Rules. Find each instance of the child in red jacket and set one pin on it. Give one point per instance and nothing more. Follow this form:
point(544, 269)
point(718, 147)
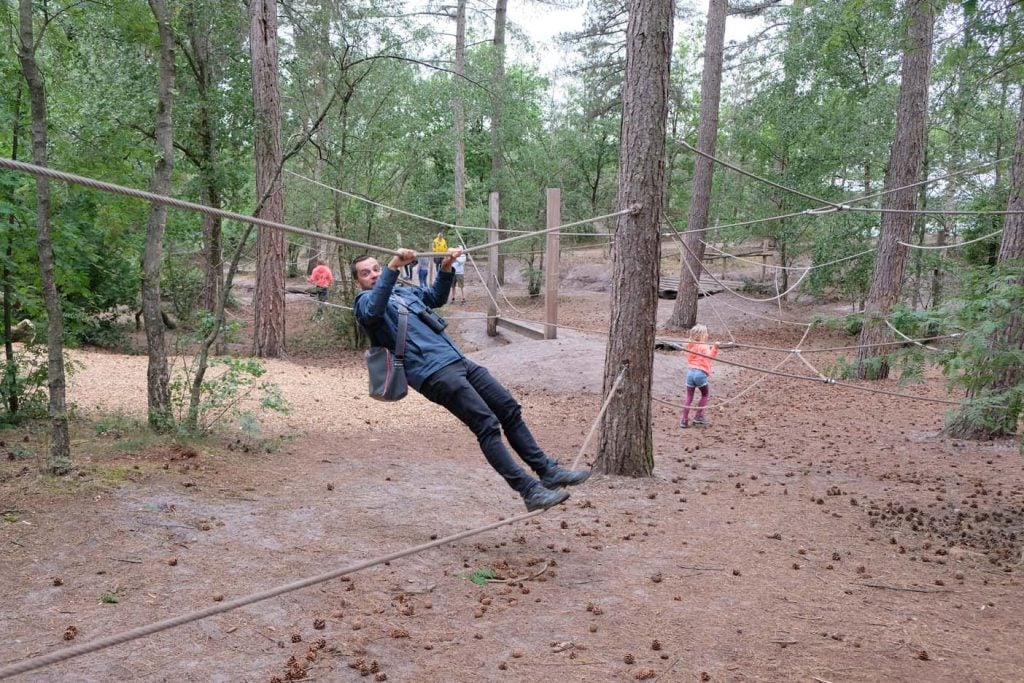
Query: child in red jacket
point(698, 359)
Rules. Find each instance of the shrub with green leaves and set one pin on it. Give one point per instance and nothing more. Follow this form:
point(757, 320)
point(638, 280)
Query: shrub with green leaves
point(26, 378)
point(232, 388)
point(988, 363)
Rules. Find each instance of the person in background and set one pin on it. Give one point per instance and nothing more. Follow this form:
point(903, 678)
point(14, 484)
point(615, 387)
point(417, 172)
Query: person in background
point(407, 270)
point(459, 270)
point(435, 367)
point(422, 270)
point(322, 278)
point(438, 246)
point(698, 360)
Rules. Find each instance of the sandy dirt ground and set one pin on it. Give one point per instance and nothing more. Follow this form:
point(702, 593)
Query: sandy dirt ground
point(810, 533)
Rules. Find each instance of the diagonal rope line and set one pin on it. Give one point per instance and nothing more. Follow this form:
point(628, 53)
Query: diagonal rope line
point(753, 384)
point(905, 337)
point(929, 181)
point(383, 206)
point(812, 266)
point(453, 225)
point(600, 415)
point(594, 219)
point(741, 171)
point(149, 629)
point(696, 279)
point(777, 297)
point(178, 203)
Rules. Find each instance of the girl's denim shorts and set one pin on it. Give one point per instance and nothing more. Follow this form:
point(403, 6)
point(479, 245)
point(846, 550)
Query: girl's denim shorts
point(696, 378)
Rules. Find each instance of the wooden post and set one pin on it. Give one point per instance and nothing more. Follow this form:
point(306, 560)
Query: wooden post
point(554, 199)
point(492, 264)
point(764, 259)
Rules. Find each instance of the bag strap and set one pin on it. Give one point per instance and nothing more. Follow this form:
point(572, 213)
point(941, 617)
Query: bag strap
point(403, 326)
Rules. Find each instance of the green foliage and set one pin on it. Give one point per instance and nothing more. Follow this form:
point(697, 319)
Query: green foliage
point(25, 378)
point(118, 425)
point(181, 282)
point(109, 599)
point(988, 363)
point(231, 388)
point(480, 577)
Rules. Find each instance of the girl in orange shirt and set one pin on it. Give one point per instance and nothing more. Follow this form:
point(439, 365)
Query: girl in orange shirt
point(699, 367)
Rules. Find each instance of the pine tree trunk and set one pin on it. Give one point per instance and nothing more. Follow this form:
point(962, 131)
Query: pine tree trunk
point(459, 113)
point(59, 458)
point(268, 300)
point(684, 313)
point(158, 375)
point(1002, 421)
point(198, 27)
point(497, 111)
point(626, 444)
point(11, 368)
point(906, 158)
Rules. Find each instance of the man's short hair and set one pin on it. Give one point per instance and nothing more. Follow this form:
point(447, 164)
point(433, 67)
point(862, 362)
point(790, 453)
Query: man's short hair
point(354, 267)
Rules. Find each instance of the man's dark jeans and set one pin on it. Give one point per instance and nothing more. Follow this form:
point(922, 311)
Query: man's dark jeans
point(471, 394)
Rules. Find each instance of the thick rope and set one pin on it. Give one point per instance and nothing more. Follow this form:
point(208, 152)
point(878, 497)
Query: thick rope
point(178, 203)
point(758, 178)
point(600, 415)
point(487, 245)
point(929, 181)
point(149, 629)
point(906, 338)
point(943, 247)
point(937, 212)
point(427, 219)
point(721, 284)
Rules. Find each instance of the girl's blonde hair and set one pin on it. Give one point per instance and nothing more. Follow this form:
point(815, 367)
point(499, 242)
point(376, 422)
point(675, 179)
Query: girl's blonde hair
point(699, 333)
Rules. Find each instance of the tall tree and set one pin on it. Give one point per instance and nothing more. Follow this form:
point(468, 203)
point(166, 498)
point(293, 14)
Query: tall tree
point(198, 51)
point(459, 112)
point(626, 444)
point(158, 390)
point(497, 114)
point(59, 458)
point(271, 254)
point(684, 314)
point(1001, 372)
point(10, 379)
point(906, 159)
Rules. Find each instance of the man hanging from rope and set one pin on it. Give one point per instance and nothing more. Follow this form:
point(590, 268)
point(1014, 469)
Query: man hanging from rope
point(436, 368)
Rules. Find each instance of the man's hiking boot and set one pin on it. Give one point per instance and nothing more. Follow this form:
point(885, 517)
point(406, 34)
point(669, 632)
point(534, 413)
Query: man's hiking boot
point(557, 476)
point(540, 498)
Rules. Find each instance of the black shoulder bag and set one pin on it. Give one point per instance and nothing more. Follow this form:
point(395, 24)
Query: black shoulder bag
point(387, 369)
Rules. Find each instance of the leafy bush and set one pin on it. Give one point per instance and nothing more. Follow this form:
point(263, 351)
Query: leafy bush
point(225, 393)
point(989, 362)
point(25, 378)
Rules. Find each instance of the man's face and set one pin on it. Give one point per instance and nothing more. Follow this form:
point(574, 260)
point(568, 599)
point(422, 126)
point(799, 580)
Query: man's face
point(367, 272)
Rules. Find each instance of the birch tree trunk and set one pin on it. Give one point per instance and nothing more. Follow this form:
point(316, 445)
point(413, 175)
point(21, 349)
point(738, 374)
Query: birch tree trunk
point(684, 313)
point(158, 391)
point(59, 457)
point(906, 158)
point(268, 300)
point(626, 443)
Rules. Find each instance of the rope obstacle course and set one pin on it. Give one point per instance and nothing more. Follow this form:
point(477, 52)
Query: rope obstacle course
point(170, 623)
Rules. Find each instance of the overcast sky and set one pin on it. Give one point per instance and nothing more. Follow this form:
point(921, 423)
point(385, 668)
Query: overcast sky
point(543, 23)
